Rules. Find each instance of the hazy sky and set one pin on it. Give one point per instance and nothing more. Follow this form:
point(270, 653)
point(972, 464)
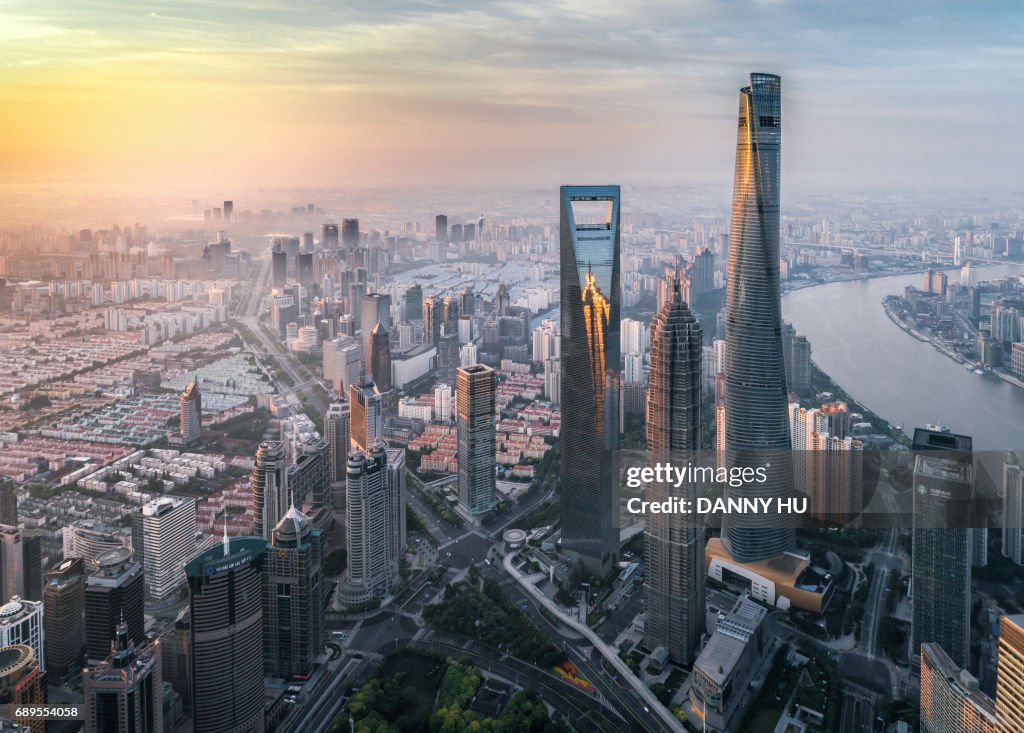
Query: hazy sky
point(268, 92)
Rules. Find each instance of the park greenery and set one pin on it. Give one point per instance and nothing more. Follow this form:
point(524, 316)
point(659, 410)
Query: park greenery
point(250, 426)
point(477, 609)
point(418, 691)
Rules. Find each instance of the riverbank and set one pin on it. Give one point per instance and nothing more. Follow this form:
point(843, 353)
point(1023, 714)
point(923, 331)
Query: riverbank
point(937, 344)
point(903, 380)
point(822, 382)
point(792, 286)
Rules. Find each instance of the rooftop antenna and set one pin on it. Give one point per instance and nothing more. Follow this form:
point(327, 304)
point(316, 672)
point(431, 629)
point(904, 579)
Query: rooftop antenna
point(227, 544)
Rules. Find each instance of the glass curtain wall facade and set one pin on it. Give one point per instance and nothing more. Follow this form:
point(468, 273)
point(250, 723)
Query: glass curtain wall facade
point(590, 302)
point(756, 395)
point(475, 390)
point(226, 598)
point(674, 543)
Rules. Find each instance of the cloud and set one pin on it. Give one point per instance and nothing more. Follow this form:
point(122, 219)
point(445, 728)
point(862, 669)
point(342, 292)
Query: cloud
point(613, 79)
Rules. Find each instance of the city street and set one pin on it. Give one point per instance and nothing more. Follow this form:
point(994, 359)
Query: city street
point(248, 314)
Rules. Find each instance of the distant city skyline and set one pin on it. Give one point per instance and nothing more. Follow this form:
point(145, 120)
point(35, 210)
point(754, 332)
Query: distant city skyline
point(113, 97)
point(507, 233)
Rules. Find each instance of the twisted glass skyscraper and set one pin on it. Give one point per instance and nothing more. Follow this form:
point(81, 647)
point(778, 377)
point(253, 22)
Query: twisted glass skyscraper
point(756, 409)
point(590, 296)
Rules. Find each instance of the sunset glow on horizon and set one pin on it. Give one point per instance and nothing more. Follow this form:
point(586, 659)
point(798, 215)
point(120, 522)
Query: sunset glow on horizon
point(190, 93)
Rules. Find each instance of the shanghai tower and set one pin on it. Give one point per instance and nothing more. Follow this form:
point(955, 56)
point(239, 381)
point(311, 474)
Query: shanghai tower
point(674, 543)
point(756, 397)
point(590, 297)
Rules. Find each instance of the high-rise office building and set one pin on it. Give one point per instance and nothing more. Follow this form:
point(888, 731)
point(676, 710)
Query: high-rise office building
point(374, 308)
point(366, 407)
point(467, 302)
point(838, 417)
point(979, 544)
point(356, 289)
point(469, 355)
point(270, 498)
point(343, 360)
point(191, 418)
point(553, 380)
point(756, 396)
point(380, 358)
point(720, 420)
point(284, 309)
point(413, 303)
point(546, 342)
point(86, 538)
point(634, 338)
point(309, 473)
point(443, 403)
point(801, 361)
point(590, 301)
point(125, 692)
point(176, 657)
point(727, 664)
point(32, 562)
point(465, 329)
point(114, 593)
point(844, 495)
point(22, 682)
point(433, 317)
point(441, 228)
point(447, 354)
point(371, 567)
point(21, 622)
point(450, 313)
point(634, 372)
point(278, 267)
point(935, 281)
point(329, 236)
point(808, 430)
point(828, 469)
point(336, 432)
point(796, 355)
point(397, 500)
point(350, 233)
point(64, 617)
point(503, 298)
point(674, 543)
point(8, 501)
point(229, 210)
point(169, 538)
point(294, 595)
point(941, 556)
point(304, 269)
point(1010, 673)
point(1013, 508)
point(950, 699)
point(226, 597)
point(474, 414)
point(12, 563)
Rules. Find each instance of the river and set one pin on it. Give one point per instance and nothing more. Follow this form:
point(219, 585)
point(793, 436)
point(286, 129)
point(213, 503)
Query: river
point(903, 380)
